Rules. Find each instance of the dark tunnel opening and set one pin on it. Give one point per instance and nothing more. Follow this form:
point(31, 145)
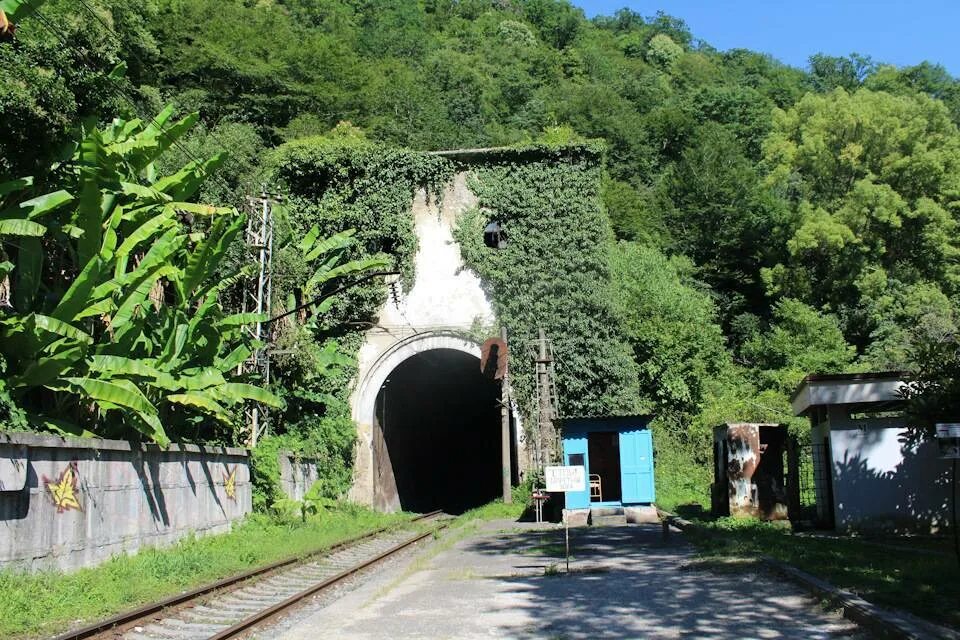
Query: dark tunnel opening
point(439, 422)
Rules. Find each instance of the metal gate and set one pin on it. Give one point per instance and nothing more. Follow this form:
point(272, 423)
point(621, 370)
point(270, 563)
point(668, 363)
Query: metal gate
point(815, 482)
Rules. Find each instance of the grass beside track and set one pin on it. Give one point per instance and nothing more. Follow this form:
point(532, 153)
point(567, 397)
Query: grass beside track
point(52, 602)
point(925, 584)
point(495, 510)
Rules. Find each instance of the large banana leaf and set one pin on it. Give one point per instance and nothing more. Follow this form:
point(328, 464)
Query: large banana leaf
point(333, 243)
point(202, 263)
point(347, 268)
point(21, 228)
point(111, 366)
point(234, 359)
point(13, 186)
point(77, 298)
point(116, 393)
point(42, 205)
point(201, 401)
point(146, 231)
point(233, 392)
point(58, 327)
point(17, 10)
point(185, 183)
point(240, 319)
point(89, 215)
point(202, 379)
point(307, 243)
point(199, 209)
point(46, 370)
point(135, 298)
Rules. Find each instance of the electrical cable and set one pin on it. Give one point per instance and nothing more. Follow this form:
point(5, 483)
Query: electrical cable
point(50, 27)
point(139, 60)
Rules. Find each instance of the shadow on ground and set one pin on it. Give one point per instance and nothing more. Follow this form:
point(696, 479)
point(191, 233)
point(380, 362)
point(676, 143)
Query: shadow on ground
point(627, 582)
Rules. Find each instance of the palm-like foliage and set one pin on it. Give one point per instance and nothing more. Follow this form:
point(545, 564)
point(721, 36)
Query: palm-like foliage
point(112, 318)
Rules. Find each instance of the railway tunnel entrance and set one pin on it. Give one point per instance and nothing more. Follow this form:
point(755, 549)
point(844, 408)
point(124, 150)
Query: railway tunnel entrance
point(437, 434)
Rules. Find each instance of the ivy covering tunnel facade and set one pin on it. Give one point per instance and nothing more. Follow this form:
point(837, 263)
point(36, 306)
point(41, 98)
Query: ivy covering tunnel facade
point(553, 273)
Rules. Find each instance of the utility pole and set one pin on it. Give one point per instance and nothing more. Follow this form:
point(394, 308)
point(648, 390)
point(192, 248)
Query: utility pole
point(257, 299)
point(547, 445)
point(505, 427)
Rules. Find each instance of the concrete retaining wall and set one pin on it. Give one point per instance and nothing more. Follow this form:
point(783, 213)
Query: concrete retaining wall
point(297, 475)
point(67, 503)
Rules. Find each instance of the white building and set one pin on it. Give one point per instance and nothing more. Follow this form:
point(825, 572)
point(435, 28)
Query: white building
point(869, 473)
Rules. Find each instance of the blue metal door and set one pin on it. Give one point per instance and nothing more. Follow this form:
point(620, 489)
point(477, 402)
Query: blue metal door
point(636, 466)
point(575, 454)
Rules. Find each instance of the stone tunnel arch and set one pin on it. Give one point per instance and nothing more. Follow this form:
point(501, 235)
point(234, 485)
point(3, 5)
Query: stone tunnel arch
point(430, 427)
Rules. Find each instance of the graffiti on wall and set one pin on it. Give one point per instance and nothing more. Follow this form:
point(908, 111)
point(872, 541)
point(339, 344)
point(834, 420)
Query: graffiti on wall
point(230, 482)
point(65, 491)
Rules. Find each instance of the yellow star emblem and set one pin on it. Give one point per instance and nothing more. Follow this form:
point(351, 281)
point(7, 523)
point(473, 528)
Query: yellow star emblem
point(64, 491)
point(230, 482)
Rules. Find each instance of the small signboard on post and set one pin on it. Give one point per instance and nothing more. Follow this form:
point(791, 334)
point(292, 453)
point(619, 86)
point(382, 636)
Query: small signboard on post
point(948, 437)
point(572, 478)
point(566, 478)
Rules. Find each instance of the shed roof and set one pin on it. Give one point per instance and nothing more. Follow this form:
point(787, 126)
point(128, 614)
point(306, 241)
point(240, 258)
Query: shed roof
point(847, 388)
point(630, 416)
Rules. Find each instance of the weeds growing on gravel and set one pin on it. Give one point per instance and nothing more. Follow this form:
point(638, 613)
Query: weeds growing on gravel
point(51, 602)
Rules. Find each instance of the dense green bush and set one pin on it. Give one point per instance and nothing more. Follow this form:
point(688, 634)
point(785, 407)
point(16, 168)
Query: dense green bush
point(554, 272)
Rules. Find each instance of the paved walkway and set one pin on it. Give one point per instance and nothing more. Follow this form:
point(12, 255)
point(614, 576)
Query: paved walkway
point(507, 581)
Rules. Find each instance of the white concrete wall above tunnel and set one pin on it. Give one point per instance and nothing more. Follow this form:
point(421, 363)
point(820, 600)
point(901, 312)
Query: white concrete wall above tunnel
point(445, 302)
point(365, 400)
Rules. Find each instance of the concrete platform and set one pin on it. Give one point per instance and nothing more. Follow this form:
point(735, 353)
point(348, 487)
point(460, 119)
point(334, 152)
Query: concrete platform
point(507, 580)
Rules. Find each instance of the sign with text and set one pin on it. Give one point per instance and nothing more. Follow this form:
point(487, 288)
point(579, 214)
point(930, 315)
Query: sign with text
point(948, 437)
point(566, 478)
point(948, 430)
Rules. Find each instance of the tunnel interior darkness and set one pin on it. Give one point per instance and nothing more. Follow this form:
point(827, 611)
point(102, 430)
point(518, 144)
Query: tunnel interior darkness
point(439, 419)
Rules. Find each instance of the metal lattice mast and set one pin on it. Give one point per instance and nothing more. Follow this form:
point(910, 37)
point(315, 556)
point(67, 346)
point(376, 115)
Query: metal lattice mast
point(547, 443)
point(257, 299)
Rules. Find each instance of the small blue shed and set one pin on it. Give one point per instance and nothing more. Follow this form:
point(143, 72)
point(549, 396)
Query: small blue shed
point(618, 455)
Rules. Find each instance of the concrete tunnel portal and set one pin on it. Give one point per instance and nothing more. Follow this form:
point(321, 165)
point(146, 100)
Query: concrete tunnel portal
point(437, 434)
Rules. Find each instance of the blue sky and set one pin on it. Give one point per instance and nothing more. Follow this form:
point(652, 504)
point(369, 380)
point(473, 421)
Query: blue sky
point(902, 33)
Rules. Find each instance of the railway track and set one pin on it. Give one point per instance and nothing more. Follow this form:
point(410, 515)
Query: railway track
point(231, 607)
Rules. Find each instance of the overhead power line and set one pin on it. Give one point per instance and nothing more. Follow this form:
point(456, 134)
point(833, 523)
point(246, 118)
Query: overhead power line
point(133, 54)
point(57, 33)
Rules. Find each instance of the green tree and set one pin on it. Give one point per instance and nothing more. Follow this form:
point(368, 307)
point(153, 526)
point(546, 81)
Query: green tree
point(799, 341)
point(872, 181)
point(47, 87)
point(671, 326)
point(722, 217)
point(113, 322)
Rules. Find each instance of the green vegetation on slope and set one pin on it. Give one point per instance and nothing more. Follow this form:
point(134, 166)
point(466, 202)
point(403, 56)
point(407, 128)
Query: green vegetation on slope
point(803, 220)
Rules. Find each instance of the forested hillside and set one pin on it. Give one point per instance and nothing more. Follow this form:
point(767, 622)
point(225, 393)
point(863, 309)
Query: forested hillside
point(770, 221)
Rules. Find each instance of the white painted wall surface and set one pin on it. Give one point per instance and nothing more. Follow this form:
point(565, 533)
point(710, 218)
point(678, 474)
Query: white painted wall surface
point(446, 298)
point(882, 482)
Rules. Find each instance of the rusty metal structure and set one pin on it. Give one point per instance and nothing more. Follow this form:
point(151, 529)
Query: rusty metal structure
point(750, 471)
point(547, 445)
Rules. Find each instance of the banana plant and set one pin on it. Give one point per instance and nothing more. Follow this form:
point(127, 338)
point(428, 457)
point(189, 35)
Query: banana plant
point(13, 11)
point(325, 260)
point(112, 319)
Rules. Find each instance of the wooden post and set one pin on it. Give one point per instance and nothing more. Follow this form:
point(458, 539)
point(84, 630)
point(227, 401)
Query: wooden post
point(505, 427)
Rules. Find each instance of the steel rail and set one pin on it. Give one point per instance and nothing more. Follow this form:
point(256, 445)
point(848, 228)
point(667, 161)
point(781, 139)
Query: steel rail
point(244, 625)
point(127, 617)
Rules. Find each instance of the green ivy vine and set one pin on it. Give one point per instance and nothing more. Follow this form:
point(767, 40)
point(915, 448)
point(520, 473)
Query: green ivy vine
point(554, 272)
